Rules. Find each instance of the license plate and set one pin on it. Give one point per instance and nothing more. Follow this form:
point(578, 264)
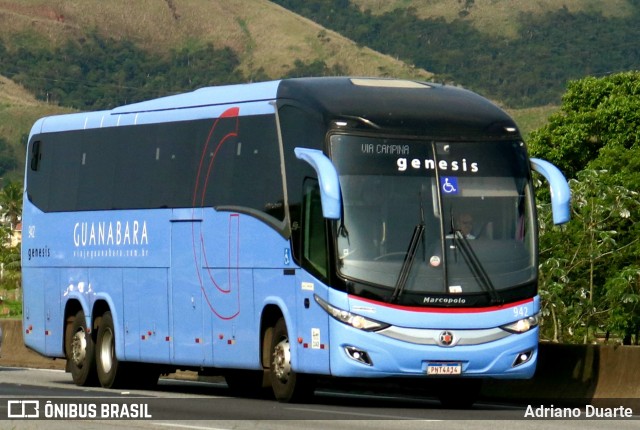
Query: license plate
point(444, 369)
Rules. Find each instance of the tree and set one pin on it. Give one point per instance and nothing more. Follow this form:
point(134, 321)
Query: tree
point(11, 203)
point(590, 268)
point(623, 298)
point(314, 68)
point(598, 116)
point(11, 211)
point(96, 72)
point(581, 266)
point(8, 159)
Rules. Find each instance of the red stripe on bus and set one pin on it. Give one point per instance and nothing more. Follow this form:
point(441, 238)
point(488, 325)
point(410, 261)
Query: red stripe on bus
point(465, 310)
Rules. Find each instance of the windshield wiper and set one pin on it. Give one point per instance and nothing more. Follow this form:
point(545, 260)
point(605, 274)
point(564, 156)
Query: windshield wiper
point(409, 258)
point(471, 258)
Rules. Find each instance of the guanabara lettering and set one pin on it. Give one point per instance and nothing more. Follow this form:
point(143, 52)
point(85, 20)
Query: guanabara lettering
point(110, 233)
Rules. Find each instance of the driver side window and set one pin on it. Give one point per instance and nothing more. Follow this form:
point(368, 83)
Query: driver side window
point(314, 239)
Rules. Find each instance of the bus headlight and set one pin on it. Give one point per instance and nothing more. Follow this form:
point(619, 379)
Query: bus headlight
point(346, 317)
point(523, 325)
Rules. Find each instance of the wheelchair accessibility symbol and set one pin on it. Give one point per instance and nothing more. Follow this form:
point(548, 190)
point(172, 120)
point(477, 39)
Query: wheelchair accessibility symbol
point(449, 185)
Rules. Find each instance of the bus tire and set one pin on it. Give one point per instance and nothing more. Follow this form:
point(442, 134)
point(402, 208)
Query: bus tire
point(80, 352)
point(111, 372)
point(287, 384)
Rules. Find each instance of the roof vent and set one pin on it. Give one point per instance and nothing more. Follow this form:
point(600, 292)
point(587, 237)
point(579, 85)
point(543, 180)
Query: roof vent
point(388, 83)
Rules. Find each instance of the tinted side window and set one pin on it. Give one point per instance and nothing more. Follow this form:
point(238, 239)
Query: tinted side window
point(98, 165)
point(156, 165)
point(231, 163)
point(243, 167)
point(314, 233)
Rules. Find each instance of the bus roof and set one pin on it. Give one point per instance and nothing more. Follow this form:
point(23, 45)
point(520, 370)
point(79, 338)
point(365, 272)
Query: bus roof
point(424, 108)
point(207, 96)
point(421, 107)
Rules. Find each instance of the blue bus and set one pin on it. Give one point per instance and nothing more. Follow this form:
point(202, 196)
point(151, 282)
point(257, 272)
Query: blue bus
point(278, 232)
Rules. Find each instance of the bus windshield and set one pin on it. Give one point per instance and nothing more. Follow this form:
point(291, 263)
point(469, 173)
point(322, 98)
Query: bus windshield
point(433, 219)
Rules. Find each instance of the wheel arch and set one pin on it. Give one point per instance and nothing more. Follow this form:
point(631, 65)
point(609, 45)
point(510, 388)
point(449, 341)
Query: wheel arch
point(272, 311)
point(71, 308)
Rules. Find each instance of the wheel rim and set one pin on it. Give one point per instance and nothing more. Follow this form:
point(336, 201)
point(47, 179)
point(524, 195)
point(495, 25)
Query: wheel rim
point(106, 351)
point(79, 348)
point(282, 361)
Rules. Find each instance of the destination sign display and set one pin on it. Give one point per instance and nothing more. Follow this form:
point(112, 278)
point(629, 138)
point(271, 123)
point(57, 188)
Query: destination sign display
point(360, 155)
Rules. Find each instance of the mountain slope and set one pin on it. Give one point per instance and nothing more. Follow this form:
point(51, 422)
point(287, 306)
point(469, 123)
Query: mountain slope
point(263, 34)
point(497, 17)
point(38, 39)
point(529, 65)
point(18, 111)
point(267, 39)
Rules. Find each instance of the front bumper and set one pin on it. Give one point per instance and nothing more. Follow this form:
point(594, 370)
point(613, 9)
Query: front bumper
point(502, 357)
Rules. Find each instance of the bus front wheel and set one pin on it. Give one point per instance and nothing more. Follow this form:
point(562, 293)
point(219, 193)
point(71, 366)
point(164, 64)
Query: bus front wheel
point(287, 384)
point(80, 351)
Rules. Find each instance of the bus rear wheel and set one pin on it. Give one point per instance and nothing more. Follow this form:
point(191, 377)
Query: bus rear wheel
point(287, 384)
point(80, 351)
point(111, 372)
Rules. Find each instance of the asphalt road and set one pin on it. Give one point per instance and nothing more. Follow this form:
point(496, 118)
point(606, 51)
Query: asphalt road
point(179, 404)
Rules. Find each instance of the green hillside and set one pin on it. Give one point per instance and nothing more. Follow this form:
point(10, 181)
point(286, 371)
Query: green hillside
point(530, 119)
point(266, 38)
point(18, 111)
point(95, 54)
point(91, 54)
point(522, 53)
point(499, 18)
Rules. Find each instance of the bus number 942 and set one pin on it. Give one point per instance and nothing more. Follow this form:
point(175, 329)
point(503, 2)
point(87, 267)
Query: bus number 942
point(521, 311)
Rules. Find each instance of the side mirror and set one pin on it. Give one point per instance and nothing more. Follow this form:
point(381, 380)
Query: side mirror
point(560, 192)
point(327, 178)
